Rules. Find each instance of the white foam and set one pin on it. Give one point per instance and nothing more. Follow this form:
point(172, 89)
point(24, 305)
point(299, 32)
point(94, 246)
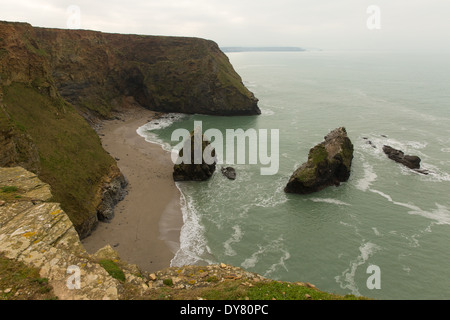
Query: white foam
point(331, 201)
point(285, 255)
point(375, 230)
point(267, 112)
point(388, 197)
point(273, 248)
point(146, 131)
point(434, 173)
point(369, 177)
point(440, 215)
point(347, 279)
point(193, 244)
point(235, 238)
point(272, 199)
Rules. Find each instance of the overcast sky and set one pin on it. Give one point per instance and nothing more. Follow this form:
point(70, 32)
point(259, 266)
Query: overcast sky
point(399, 25)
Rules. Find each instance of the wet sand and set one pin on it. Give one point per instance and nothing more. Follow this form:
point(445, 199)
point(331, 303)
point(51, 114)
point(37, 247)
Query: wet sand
point(146, 227)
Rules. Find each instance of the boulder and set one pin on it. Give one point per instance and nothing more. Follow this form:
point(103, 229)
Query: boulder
point(229, 172)
point(194, 169)
point(412, 162)
point(329, 163)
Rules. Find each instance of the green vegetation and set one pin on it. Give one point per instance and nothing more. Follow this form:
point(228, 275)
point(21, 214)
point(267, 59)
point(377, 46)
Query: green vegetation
point(113, 269)
point(19, 282)
point(8, 189)
point(72, 160)
point(10, 193)
point(246, 290)
point(168, 282)
point(287, 291)
point(318, 154)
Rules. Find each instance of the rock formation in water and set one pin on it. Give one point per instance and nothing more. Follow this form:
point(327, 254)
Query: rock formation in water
point(329, 163)
point(194, 166)
point(52, 80)
point(412, 162)
point(229, 172)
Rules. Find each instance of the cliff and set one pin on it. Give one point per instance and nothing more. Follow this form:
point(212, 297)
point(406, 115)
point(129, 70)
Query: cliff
point(95, 71)
point(37, 235)
point(51, 81)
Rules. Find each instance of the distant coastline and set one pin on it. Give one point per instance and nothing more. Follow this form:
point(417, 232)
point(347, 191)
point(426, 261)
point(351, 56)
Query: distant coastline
point(262, 49)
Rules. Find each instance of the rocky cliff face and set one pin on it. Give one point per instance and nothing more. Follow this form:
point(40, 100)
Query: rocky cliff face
point(94, 71)
point(39, 234)
point(50, 79)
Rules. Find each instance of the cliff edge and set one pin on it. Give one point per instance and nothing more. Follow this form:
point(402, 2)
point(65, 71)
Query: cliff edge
point(36, 233)
point(52, 80)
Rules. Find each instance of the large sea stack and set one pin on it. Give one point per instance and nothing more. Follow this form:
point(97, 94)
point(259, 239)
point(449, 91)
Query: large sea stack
point(328, 164)
point(194, 166)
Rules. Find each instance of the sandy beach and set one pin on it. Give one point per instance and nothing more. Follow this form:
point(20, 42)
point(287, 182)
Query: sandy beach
point(146, 227)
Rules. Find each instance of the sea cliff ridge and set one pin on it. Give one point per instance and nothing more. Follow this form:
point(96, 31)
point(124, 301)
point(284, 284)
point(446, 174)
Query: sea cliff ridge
point(52, 80)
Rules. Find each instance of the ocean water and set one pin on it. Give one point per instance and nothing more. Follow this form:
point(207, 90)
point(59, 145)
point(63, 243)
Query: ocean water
point(386, 215)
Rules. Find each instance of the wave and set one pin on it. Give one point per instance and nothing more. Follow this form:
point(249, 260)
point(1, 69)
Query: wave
point(274, 249)
point(267, 112)
point(235, 238)
point(369, 177)
point(193, 244)
point(440, 215)
point(347, 279)
point(331, 201)
point(272, 199)
point(146, 131)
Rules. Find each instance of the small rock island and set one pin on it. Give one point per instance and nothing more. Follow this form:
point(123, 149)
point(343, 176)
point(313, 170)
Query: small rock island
point(329, 163)
point(192, 169)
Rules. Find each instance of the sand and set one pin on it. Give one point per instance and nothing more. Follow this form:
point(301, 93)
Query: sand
point(146, 227)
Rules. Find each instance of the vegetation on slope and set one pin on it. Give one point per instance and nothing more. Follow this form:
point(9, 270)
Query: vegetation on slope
point(19, 282)
point(72, 159)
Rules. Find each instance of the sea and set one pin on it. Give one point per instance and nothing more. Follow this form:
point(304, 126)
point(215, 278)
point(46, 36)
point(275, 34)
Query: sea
point(385, 233)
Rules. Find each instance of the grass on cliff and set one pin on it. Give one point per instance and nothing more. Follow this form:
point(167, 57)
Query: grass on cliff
point(113, 269)
point(241, 290)
point(73, 161)
point(19, 282)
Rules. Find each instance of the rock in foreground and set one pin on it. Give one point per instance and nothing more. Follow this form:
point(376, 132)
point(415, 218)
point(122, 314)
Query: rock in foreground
point(329, 163)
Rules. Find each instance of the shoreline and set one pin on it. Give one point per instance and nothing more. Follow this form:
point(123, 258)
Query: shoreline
point(147, 223)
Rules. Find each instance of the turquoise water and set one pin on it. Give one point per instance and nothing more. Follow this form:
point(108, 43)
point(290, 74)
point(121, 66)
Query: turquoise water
point(385, 215)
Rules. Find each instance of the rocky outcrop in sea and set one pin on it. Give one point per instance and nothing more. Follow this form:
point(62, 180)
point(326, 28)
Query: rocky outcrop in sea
point(329, 163)
point(412, 162)
point(193, 165)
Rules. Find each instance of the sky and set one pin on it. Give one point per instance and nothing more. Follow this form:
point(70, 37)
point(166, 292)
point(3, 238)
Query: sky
point(363, 25)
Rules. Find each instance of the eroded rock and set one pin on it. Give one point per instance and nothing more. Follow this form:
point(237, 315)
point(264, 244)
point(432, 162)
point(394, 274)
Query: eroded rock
point(193, 166)
point(329, 163)
point(42, 236)
point(412, 162)
point(229, 172)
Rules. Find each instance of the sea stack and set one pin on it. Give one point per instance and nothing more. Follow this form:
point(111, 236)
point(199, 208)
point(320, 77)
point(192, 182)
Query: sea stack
point(329, 163)
point(194, 166)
